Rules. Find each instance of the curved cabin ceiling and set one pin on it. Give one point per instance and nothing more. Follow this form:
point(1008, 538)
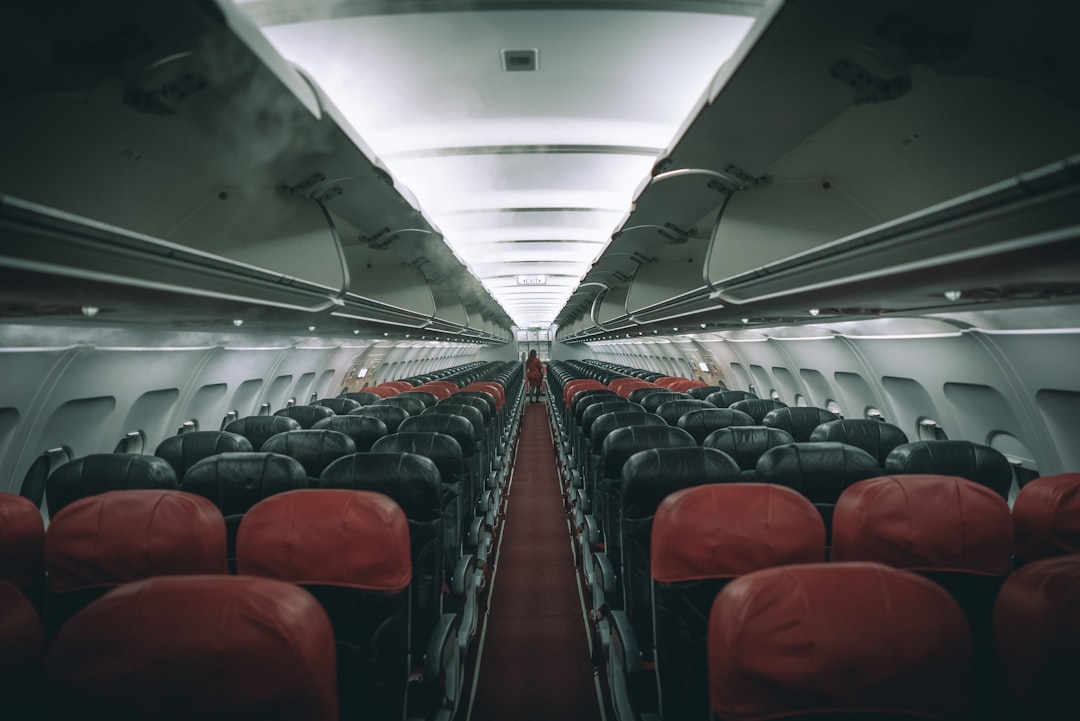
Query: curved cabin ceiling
point(526, 172)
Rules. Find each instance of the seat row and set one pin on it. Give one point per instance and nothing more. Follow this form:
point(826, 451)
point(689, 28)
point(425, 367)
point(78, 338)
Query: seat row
point(637, 480)
point(143, 620)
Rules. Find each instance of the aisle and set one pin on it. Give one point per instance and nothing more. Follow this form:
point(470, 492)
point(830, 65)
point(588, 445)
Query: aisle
point(534, 662)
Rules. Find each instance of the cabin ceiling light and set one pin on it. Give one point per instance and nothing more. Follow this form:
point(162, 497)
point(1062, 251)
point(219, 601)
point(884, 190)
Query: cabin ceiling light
point(311, 328)
point(356, 332)
point(90, 311)
point(745, 320)
point(953, 295)
point(238, 322)
point(814, 312)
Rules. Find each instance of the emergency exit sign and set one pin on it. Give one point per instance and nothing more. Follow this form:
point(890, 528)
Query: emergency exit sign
point(532, 280)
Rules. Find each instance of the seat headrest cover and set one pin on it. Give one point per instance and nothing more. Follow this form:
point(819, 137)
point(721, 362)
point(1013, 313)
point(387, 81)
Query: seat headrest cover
point(1046, 517)
point(757, 408)
point(362, 397)
point(624, 442)
point(364, 430)
point(820, 471)
point(444, 450)
point(703, 392)
point(184, 450)
point(234, 482)
point(100, 472)
point(411, 480)
point(835, 638)
point(428, 399)
point(306, 416)
point(723, 399)
point(673, 411)
point(414, 406)
point(383, 391)
point(327, 536)
point(1036, 634)
point(608, 422)
point(727, 530)
point(799, 421)
point(258, 428)
point(469, 412)
point(924, 523)
point(22, 540)
point(874, 437)
point(121, 536)
point(21, 636)
point(746, 444)
point(580, 384)
point(972, 461)
point(314, 448)
point(458, 427)
point(389, 415)
point(215, 648)
point(441, 392)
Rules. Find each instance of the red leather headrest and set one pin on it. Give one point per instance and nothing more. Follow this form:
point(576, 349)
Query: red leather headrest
point(383, 390)
point(336, 537)
point(439, 390)
point(400, 385)
point(220, 648)
point(924, 522)
point(837, 637)
point(666, 381)
point(1036, 634)
point(122, 536)
point(684, 384)
point(580, 384)
point(725, 530)
point(494, 389)
point(22, 541)
point(623, 386)
point(1046, 517)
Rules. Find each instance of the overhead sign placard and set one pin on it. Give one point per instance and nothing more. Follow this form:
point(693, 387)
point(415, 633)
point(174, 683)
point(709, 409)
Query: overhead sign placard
point(532, 280)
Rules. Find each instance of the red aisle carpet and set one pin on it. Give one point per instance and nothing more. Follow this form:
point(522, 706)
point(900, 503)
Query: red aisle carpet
point(535, 660)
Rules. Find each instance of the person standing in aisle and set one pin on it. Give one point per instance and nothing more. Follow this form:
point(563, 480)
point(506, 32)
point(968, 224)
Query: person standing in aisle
point(534, 374)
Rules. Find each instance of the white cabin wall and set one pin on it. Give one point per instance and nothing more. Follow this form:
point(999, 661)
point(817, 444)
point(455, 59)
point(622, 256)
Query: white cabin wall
point(87, 387)
point(1015, 390)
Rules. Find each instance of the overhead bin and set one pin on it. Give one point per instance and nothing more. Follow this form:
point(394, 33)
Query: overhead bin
point(864, 159)
point(172, 146)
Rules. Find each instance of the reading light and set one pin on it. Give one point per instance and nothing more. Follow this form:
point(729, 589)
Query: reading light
point(90, 311)
point(704, 325)
point(814, 312)
point(356, 332)
point(745, 320)
point(953, 295)
point(238, 322)
point(311, 328)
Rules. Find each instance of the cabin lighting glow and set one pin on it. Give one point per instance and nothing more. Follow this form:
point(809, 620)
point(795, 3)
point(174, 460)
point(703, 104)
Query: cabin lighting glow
point(954, 295)
point(238, 322)
point(90, 311)
point(745, 320)
point(311, 328)
point(356, 332)
point(814, 312)
point(703, 366)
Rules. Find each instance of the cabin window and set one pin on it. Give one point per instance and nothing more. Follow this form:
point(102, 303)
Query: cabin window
point(264, 409)
point(833, 407)
point(229, 418)
point(874, 414)
point(132, 442)
point(33, 484)
point(929, 430)
point(800, 400)
point(188, 426)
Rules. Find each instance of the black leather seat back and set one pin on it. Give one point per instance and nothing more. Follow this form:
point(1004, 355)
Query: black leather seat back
point(700, 423)
point(257, 429)
point(648, 477)
point(338, 405)
point(413, 483)
point(362, 397)
point(875, 437)
point(799, 421)
point(757, 408)
point(746, 445)
point(653, 401)
point(364, 430)
point(703, 392)
point(461, 430)
point(314, 448)
point(820, 471)
point(101, 472)
point(674, 410)
point(445, 452)
point(414, 406)
point(306, 416)
point(724, 399)
point(975, 462)
point(389, 415)
point(186, 449)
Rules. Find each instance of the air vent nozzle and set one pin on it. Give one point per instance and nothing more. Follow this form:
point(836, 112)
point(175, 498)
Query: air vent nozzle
point(520, 60)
